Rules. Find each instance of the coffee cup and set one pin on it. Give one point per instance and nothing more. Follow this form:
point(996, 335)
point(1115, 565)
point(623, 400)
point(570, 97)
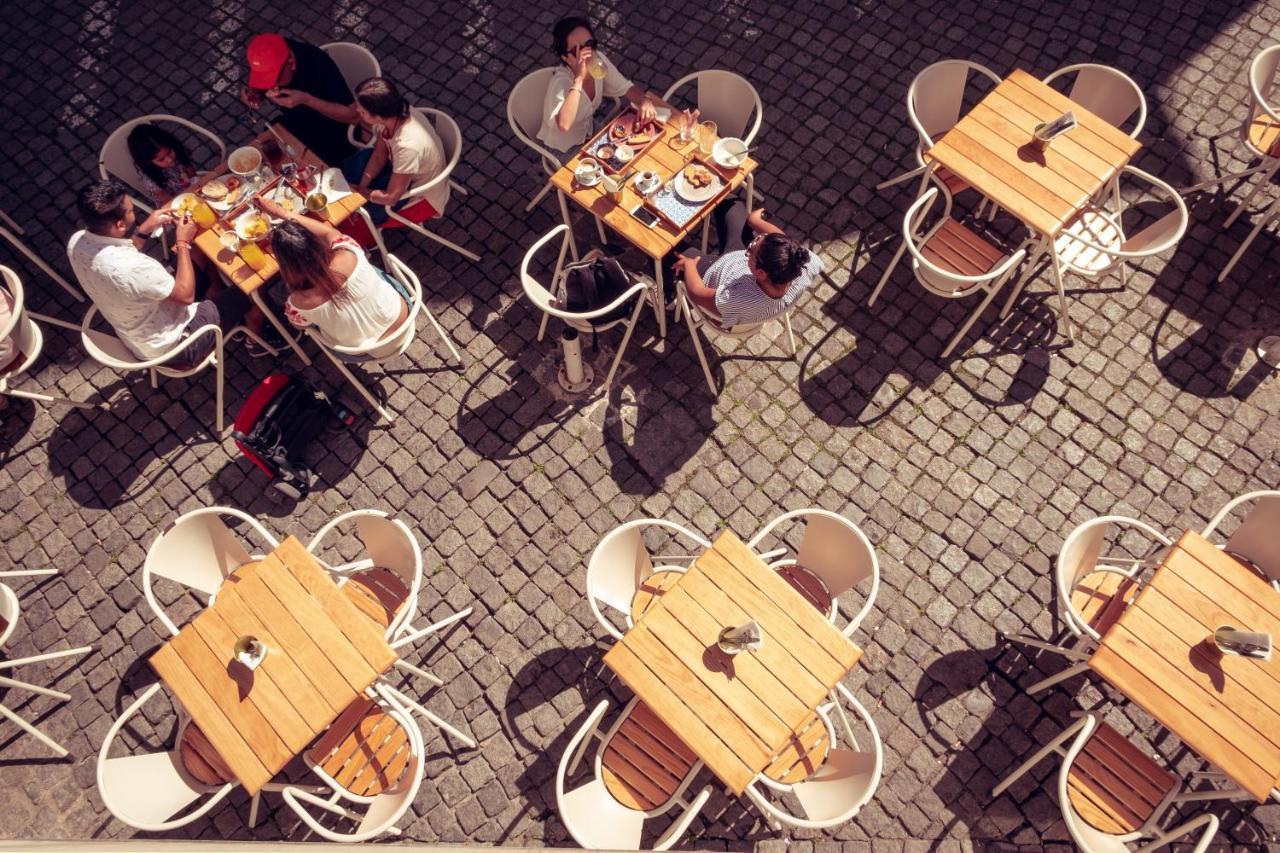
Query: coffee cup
point(589, 170)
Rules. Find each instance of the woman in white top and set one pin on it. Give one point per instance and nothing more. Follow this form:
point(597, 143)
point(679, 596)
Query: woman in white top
point(575, 93)
point(331, 283)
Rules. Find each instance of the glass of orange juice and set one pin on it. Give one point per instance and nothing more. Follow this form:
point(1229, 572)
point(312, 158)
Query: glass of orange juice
point(203, 214)
point(253, 254)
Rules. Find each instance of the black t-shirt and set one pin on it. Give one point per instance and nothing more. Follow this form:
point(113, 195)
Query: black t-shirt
point(318, 75)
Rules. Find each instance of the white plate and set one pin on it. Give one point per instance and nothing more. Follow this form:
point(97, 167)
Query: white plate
point(224, 204)
point(588, 180)
point(242, 222)
point(281, 193)
point(689, 192)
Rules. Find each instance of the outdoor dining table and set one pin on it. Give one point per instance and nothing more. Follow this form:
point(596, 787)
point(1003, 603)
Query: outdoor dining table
point(322, 654)
point(234, 268)
point(1160, 653)
point(667, 156)
point(737, 713)
point(990, 148)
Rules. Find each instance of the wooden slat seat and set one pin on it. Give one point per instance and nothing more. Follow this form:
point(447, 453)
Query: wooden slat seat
point(650, 590)
point(1264, 134)
point(366, 750)
point(378, 593)
point(1113, 785)
point(644, 762)
point(804, 753)
point(953, 182)
point(1096, 227)
point(958, 250)
point(809, 585)
point(1100, 598)
point(200, 759)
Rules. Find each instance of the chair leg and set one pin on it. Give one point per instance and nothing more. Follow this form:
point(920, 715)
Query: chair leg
point(47, 398)
point(897, 256)
point(405, 666)
point(1266, 181)
point(458, 188)
point(1263, 222)
point(791, 338)
point(1054, 745)
point(33, 731)
point(1035, 643)
point(219, 371)
point(963, 330)
point(542, 193)
point(751, 191)
point(1069, 672)
point(385, 414)
point(697, 345)
point(448, 244)
point(33, 688)
point(706, 234)
point(564, 216)
point(417, 708)
point(253, 810)
point(604, 238)
point(39, 261)
point(905, 176)
point(155, 382)
point(53, 321)
point(431, 318)
point(626, 338)
point(62, 653)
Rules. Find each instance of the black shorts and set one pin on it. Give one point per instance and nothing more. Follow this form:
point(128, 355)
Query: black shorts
point(225, 310)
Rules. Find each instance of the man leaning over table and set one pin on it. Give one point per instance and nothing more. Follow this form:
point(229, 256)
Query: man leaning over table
point(301, 79)
point(748, 283)
point(150, 308)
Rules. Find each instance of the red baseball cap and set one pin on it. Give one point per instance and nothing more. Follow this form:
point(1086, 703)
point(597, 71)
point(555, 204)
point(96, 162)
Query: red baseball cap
point(267, 54)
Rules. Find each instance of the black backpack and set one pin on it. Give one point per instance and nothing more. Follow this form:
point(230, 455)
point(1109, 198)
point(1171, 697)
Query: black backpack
point(589, 285)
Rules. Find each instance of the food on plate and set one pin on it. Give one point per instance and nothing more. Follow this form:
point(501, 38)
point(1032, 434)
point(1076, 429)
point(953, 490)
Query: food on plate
point(232, 183)
point(697, 175)
point(215, 190)
point(255, 228)
point(288, 205)
point(606, 152)
point(185, 203)
point(619, 131)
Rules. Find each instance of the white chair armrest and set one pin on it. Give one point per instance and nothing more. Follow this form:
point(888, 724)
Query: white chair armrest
point(292, 795)
point(1208, 821)
point(677, 830)
point(637, 289)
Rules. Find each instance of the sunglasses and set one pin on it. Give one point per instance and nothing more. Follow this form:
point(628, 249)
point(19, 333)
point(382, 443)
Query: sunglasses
point(589, 44)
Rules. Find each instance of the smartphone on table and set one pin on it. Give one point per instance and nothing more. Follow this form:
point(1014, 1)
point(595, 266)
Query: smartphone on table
point(646, 217)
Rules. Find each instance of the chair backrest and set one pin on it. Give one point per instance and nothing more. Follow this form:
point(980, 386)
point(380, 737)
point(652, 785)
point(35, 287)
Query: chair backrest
point(8, 613)
point(524, 110)
point(1080, 555)
point(1159, 236)
point(936, 96)
point(1257, 539)
point(391, 545)
point(356, 62)
point(1262, 81)
point(1107, 92)
point(116, 161)
point(146, 790)
point(726, 98)
point(26, 335)
point(448, 131)
point(400, 341)
point(618, 565)
point(543, 297)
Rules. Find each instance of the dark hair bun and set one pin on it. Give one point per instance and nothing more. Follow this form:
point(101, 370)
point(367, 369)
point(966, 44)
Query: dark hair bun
point(782, 258)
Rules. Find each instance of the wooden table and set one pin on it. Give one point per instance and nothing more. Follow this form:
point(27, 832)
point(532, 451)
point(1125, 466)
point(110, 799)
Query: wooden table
point(233, 268)
point(666, 157)
point(322, 654)
point(990, 149)
point(735, 712)
point(1225, 707)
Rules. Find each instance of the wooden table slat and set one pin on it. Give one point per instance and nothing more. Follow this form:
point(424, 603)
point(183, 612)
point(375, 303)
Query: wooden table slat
point(1057, 103)
point(1045, 221)
point(779, 658)
point(266, 695)
point(311, 702)
point(231, 745)
point(693, 727)
point(1064, 172)
point(1066, 155)
point(1244, 581)
point(1010, 164)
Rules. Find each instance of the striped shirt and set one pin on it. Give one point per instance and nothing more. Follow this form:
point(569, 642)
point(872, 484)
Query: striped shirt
point(739, 298)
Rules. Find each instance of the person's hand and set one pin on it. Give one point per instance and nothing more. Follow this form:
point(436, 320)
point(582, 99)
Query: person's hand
point(363, 189)
point(269, 207)
point(755, 218)
point(157, 219)
point(648, 112)
point(251, 98)
point(288, 98)
point(579, 63)
point(683, 263)
point(186, 230)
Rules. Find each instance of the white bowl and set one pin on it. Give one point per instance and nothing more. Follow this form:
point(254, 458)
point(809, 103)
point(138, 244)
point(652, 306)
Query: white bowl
point(248, 157)
point(729, 152)
point(624, 153)
point(244, 220)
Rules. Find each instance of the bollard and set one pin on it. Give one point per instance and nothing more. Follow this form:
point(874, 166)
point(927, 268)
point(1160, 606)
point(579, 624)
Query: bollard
point(574, 375)
point(1269, 351)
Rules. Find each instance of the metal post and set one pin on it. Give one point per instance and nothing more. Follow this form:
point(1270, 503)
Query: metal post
point(574, 375)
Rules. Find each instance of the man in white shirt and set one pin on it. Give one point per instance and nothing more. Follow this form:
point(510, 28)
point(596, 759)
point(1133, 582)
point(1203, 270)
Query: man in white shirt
point(149, 308)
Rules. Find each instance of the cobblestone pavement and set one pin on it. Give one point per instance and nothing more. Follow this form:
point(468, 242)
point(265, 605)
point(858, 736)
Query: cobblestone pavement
point(966, 473)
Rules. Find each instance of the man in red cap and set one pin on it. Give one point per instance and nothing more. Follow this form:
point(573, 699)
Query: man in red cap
point(286, 71)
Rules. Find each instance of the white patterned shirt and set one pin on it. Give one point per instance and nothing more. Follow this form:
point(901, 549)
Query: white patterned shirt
point(739, 298)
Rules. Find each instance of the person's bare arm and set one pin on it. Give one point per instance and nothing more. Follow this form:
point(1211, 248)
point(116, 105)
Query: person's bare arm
point(396, 188)
point(290, 98)
point(319, 227)
point(573, 98)
point(760, 225)
point(687, 269)
point(373, 168)
point(184, 278)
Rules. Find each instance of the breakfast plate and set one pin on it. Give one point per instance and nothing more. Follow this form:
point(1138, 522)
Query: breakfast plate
point(252, 225)
point(223, 193)
point(696, 183)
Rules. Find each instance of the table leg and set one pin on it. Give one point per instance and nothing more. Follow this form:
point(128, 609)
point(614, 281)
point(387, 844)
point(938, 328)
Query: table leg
point(661, 300)
point(564, 213)
point(1062, 293)
point(275, 321)
point(1028, 265)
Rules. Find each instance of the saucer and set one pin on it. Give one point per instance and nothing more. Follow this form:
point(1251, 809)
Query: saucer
point(646, 188)
point(585, 180)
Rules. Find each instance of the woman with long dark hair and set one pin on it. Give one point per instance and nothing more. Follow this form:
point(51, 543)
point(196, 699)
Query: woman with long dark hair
point(331, 284)
point(163, 161)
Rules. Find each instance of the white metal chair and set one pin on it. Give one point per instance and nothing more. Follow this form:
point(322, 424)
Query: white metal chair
point(844, 783)
point(609, 811)
point(1256, 540)
point(147, 790)
point(386, 349)
point(199, 551)
point(1107, 92)
point(11, 231)
point(622, 562)
point(9, 614)
point(935, 101)
point(372, 756)
point(1112, 793)
point(1260, 131)
point(451, 140)
point(951, 260)
point(356, 63)
point(524, 114)
point(734, 105)
point(833, 557)
point(29, 341)
point(110, 351)
point(1095, 242)
point(549, 299)
point(1094, 587)
point(115, 161)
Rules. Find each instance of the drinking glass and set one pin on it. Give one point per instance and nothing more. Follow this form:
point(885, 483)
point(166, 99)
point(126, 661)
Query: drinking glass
point(686, 127)
point(706, 137)
point(253, 255)
point(596, 69)
point(203, 214)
